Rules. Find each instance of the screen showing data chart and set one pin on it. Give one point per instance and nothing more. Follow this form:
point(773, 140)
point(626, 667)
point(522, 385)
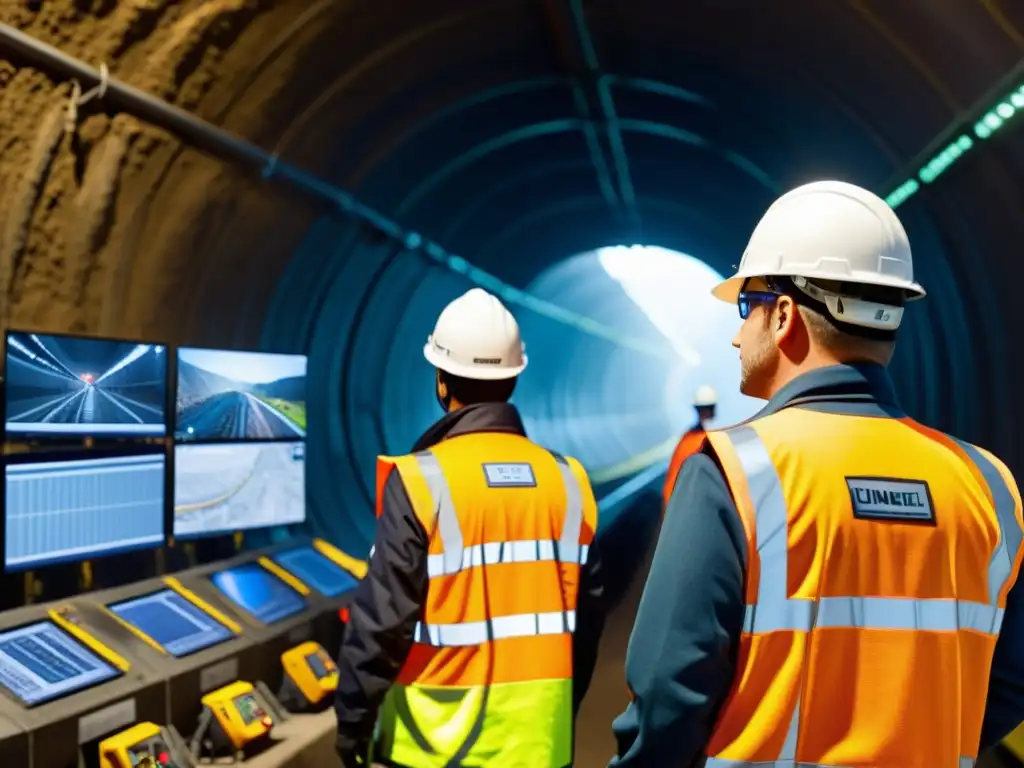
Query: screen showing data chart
point(70, 507)
point(40, 662)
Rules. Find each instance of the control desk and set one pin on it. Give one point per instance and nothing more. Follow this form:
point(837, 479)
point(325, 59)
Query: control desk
point(65, 687)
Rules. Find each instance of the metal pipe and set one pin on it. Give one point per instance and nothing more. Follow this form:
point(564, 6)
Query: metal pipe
point(220, 143)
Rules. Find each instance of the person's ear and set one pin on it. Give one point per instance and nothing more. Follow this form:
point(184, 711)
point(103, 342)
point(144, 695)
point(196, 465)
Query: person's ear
point(442, 386)
point(784, 318)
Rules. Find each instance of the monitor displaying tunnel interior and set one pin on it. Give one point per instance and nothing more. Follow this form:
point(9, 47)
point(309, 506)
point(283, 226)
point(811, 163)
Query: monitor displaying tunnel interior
point(74, 386)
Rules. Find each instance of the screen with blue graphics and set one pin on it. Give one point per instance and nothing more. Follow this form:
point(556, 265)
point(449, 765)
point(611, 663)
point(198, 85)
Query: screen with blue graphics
point(257, 591)
point(40, 662)
point(175, 624)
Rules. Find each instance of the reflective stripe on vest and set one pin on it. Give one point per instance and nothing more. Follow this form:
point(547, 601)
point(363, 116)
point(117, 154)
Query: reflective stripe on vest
point(775, 611)
point(455, 558)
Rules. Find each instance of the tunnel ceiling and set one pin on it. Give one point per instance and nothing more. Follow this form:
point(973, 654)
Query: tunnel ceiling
point(513, 133)
point(479, 124)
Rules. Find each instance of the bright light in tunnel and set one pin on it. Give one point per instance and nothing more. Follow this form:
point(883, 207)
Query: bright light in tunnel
point(619, 411)
point(673, 290)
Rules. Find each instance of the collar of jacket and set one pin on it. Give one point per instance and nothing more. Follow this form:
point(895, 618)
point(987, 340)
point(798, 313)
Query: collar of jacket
point(866, 382)
point(482, 417)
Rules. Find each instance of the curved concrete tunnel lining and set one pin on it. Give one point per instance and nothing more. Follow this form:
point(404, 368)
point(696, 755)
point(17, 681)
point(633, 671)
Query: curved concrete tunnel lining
point(209, 318)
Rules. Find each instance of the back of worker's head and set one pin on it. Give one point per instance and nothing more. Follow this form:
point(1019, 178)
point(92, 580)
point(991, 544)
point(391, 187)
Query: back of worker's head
point(477, 351)
point(704, 401)
point(823, 280)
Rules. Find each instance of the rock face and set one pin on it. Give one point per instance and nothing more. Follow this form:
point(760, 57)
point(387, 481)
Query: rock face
point(111, 226)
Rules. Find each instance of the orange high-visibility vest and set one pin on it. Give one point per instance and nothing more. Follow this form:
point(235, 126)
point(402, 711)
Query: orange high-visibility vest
point(489, 677)
point(688, 445)
point(880, 554)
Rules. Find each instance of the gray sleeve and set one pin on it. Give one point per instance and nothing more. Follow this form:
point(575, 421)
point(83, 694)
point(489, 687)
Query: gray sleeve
point(682, 651)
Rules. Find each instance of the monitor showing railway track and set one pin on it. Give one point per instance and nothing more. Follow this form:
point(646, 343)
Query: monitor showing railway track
point(66, 385)
point(220, 488)
point(226, 396)
point(65, 507)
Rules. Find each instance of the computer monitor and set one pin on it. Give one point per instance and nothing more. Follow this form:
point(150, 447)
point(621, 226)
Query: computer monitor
point(240, 396)
point(259, 592)
point(63, 507)
point(69, 386)
point(172, 622)
point(316, 570)
point(220, 488)
point(40, 662)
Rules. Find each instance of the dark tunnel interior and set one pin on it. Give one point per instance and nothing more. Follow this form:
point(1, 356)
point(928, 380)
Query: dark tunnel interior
point(523, 146)
point(516, 134)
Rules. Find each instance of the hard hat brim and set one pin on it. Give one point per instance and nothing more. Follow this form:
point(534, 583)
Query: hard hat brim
point(480, 373)
point(729, 290)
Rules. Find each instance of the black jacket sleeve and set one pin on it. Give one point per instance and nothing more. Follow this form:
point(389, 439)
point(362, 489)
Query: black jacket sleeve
point(590, 614)
point(382, 617)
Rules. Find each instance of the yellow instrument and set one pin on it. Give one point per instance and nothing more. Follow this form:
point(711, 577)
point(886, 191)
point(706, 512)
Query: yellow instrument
point(232, 720)
point(310, 677)
point(145, 745)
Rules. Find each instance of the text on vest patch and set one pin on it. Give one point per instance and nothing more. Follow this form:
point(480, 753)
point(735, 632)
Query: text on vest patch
point(516, 475)
point(883, 498)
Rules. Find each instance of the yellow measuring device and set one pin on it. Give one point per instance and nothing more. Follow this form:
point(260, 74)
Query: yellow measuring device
point(145, 745)
point(233, 720)
point(310, 677)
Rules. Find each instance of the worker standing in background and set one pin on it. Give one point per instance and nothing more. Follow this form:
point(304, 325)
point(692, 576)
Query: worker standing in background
point(835, 583)
point(704, 401)
point(478, 621)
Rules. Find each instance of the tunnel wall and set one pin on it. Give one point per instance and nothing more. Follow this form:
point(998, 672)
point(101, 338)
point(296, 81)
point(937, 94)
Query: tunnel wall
point(119, 230)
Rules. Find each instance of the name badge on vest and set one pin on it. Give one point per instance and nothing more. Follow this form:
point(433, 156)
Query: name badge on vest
point(883, 498)
point(513, 475)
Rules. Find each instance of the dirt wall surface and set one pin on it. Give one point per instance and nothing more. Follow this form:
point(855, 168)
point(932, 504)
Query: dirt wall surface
point(105, 220)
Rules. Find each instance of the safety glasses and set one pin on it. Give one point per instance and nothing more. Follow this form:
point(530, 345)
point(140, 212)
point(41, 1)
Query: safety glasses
point(747, 300)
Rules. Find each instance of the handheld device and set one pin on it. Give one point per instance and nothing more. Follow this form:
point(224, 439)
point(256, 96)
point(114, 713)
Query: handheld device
point(233, 720)
point(145, 745)
point(310, 677)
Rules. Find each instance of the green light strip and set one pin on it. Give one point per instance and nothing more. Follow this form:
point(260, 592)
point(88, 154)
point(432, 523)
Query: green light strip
point(988, 125)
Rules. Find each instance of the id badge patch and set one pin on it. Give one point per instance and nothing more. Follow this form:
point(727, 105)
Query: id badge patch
point(885, 498)
point(513, 475)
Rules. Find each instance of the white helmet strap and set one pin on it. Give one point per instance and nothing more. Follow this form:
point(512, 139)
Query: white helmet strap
point(851, 310)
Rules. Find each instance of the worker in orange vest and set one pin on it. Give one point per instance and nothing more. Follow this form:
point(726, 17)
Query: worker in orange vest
point(835, 583)
point(475, 630)
point(704, 401)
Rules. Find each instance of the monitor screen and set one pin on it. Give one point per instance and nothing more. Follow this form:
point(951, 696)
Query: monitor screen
point(316, 570)
point(41, 662)
point(256, 590)
point(67, 507)
point(178, 626)
point(232, 487)
point(233, 396)
point(62, 385)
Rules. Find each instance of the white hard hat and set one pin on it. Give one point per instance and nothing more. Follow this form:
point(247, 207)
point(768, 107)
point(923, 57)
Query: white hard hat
point(476, 338)
point(831, 230)
point(705, 397)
